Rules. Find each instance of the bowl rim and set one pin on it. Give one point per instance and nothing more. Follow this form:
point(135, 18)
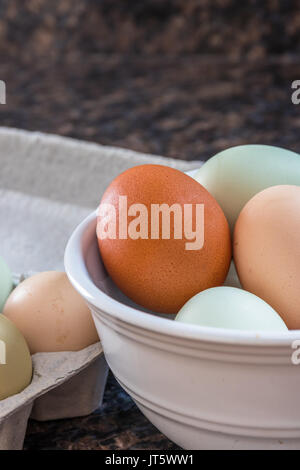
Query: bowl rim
point(80, 278)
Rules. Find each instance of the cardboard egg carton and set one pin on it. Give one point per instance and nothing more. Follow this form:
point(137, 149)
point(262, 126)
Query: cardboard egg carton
point(64, 385)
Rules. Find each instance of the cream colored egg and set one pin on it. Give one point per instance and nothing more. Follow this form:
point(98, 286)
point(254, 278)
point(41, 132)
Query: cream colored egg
point(51, 315)
point(267, 249)
point(15, 360)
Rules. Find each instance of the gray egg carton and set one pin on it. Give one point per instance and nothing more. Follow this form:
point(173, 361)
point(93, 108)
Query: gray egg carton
point(64, 385)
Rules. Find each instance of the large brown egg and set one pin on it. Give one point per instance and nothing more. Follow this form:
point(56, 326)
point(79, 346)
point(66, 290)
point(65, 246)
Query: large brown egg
point(154, 268)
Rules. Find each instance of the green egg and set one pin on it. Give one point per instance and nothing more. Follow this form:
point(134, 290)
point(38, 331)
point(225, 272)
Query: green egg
point(6, 283)
point(235, 175)
point(15, 360)
point(230, 307)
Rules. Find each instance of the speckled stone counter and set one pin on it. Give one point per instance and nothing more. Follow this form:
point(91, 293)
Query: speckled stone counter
point(118, 425)
point(185, 107)
point(183, 79)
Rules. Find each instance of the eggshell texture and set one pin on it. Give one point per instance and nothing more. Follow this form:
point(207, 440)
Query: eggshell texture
point(229, 307)
point(235, 175)
point(267, 249)
point(16, 371)
point(160, 274)
point(51, 315)
point(6, 283)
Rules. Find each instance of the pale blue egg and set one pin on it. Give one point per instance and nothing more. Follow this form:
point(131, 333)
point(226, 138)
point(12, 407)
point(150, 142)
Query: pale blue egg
point(6, 283)
point(230, 307)
point(235, 175)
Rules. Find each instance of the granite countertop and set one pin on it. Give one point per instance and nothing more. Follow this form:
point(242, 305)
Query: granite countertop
point(181, 78)
point(151, 80)
point(117, 425)
point(186, 107)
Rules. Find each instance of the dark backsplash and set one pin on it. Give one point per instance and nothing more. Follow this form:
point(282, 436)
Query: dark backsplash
point(181, 78)
point(235, 28)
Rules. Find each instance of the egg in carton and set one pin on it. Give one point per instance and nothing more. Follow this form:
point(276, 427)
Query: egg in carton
point(64, 384)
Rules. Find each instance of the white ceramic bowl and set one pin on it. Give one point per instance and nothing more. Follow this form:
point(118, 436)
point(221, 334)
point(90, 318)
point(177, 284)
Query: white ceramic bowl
point(204, 388)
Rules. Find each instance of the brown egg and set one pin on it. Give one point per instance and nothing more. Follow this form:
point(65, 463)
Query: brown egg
point(162, 273)
point(267, 249)
point(50, 314)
